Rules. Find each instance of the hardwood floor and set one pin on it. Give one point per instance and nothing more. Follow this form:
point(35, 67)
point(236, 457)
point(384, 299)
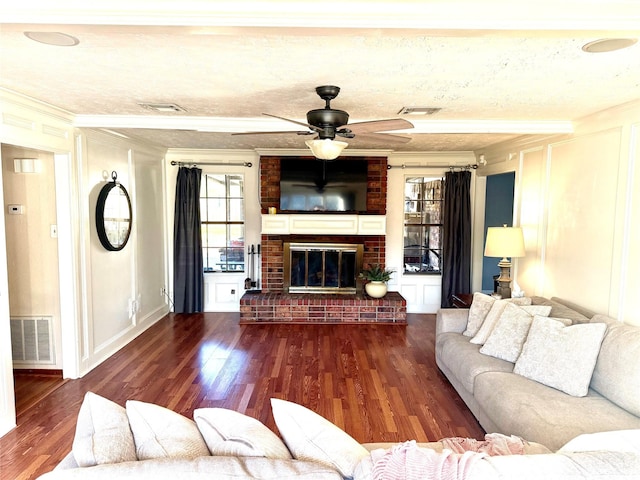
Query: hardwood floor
point(31, 387)
point(377, 382)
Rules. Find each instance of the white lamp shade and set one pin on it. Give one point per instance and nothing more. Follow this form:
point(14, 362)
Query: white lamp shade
point(326, 149)
point(504, 242)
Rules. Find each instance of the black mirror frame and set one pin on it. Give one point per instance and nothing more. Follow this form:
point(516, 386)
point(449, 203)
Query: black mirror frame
point(102, 198)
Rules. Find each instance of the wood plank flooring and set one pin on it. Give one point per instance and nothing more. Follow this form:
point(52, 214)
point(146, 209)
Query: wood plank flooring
point(377, 382)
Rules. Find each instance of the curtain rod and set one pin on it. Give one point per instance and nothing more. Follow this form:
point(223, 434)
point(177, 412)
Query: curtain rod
point(220, 164)
point(439, 167)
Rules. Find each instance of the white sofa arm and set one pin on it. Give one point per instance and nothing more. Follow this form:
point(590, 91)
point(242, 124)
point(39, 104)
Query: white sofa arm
point(451, 320)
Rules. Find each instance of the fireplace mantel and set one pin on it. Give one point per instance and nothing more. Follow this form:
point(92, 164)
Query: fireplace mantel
point(327, 224)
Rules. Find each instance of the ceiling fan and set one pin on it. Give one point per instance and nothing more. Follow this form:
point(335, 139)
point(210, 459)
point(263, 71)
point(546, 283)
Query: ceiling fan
point(328, 123)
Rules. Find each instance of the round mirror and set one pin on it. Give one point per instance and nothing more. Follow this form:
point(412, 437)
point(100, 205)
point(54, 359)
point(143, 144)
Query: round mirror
point(113, 215)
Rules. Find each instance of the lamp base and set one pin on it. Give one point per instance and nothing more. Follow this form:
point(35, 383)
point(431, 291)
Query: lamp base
point(504, 280)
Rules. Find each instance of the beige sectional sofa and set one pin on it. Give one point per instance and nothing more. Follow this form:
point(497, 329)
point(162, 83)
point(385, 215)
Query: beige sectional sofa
point(146, 441)
point(519, 401)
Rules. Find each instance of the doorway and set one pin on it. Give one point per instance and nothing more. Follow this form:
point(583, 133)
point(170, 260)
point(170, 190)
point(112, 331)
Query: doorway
point(498, 211)
point(31, 231)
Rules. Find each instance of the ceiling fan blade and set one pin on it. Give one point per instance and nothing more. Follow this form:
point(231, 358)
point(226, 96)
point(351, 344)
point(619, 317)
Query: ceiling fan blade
point(274, 133)
point(295, 121)
point(379, 126)
point(383, 137)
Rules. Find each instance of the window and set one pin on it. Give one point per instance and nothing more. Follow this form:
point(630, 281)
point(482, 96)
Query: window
point(423, 225)
point(222, 218)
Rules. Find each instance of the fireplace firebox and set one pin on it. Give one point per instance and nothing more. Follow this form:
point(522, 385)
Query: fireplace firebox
point(322, 267)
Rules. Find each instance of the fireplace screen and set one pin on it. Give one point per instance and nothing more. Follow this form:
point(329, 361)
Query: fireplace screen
point(322, 267)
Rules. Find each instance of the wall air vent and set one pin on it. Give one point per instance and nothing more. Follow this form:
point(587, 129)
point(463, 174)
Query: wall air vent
point(32, 340)
point(163, 107)
point(418, 110)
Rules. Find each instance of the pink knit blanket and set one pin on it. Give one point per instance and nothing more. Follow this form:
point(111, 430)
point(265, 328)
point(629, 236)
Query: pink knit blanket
point(493, 444)
point(407, 461)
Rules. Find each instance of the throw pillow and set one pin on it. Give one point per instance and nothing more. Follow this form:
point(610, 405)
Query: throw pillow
point(494, 315)
point(511, 331)
point(314, 438)
point(230, 433)
point(159, 432)
point(102, 433)
point(559, 356)
point(480, 306)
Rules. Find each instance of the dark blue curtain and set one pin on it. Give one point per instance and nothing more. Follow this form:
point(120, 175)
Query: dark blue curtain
point(456, 236)
point(188, 276)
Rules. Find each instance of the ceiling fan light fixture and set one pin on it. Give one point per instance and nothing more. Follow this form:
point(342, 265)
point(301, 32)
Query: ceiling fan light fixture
point(326, 149)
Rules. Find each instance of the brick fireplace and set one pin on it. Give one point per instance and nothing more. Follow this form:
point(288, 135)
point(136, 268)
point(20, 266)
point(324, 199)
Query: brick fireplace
point(274, 304)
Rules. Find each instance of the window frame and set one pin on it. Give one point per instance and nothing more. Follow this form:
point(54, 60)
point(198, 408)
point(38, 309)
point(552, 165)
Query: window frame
point(422, 248)
point(230, 251)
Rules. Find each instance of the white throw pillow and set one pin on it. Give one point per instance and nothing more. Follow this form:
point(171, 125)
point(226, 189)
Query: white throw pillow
point(102, 433)
point(616, 441)
point(511, 331)
point(160, 432)
point(559, 356)
point(314, 438)
point(231, 433)
point(494, 315)
point(480, 306)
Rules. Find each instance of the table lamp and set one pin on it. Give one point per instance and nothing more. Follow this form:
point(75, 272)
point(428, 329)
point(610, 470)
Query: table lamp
point(504, 242)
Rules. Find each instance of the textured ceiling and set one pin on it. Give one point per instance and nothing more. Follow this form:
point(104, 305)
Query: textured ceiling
point(223, 73)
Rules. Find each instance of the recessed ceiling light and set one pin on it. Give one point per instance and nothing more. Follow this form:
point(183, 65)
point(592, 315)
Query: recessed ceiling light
point(418, 110)
point(162, 107)
point(57, 39)
point(609, 44)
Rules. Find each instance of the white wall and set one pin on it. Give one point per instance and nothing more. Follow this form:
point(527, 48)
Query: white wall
point(578, 200)
point(32, 250)
point(122, 287)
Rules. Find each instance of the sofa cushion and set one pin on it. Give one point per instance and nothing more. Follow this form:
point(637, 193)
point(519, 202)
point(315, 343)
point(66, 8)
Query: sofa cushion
point(617, 372)
point(494, 315)
point(568, 310)
point(313, 438)
point(480, 306)
point(227, 432)
point(159, 432)
point(510, 332)
point(102, 433)
point(559, 356)
point(465, 361)
point(531, 410)
point(617, 441)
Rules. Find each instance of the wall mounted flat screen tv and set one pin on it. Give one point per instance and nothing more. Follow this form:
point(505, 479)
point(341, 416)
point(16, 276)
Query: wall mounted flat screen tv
point(311, 185)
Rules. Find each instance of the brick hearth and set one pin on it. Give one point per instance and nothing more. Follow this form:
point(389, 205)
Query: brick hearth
point(278, 307)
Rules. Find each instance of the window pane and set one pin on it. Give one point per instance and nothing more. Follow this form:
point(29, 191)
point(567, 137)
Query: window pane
point(217, 210)
point(236, 188)
point(236, 210)
point(214, 186)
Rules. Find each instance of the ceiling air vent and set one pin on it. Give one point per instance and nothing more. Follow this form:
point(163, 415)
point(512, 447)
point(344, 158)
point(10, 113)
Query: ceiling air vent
point(163, 107)
point(418, 110)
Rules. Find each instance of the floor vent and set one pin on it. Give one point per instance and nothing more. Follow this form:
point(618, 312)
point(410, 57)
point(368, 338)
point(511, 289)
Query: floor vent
point(32, 340)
